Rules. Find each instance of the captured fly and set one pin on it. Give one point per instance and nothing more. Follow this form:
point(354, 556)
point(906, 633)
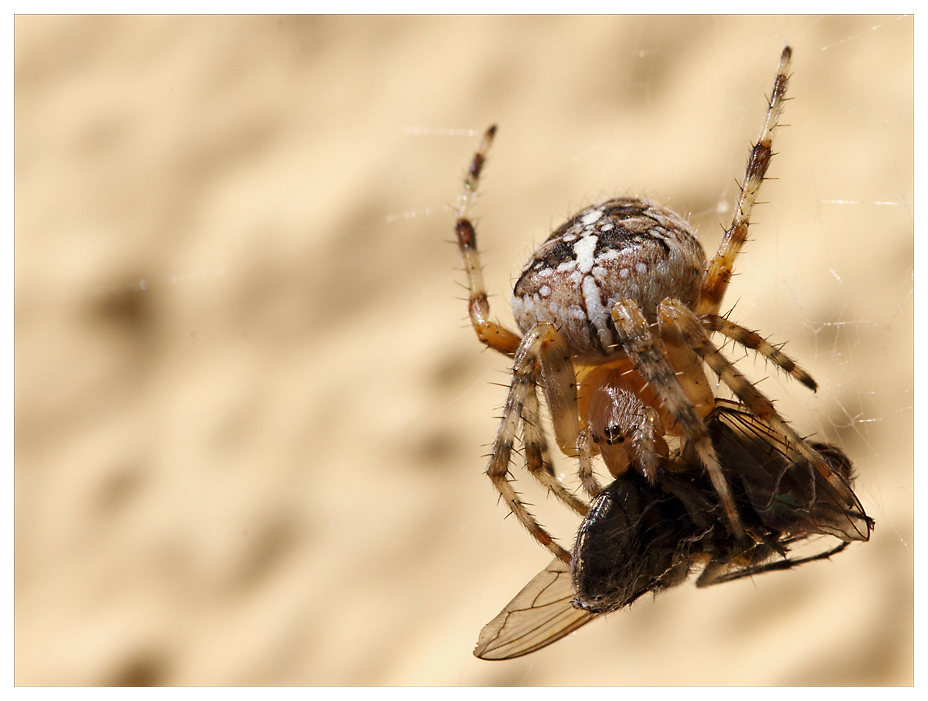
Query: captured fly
point(640, 537)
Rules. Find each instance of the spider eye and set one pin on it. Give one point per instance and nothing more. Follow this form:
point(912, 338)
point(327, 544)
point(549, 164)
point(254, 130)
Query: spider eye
point(614, 435)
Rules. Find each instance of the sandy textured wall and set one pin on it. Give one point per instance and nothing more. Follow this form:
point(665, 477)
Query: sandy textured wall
point(250, 414)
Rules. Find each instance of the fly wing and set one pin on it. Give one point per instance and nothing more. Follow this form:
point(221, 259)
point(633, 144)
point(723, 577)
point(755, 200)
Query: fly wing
point(787, 493)
point(539, 615)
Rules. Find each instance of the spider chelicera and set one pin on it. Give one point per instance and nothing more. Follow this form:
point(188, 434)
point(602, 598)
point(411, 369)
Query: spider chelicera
point(616, 310)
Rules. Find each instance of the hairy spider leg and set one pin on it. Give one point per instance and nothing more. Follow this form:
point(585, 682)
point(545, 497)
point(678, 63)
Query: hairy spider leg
point(490, 333)
point(650, 362)
point(757, 343)
point(542, 349)
point(585, 469)
point(549, 355)
point(719, 270)
point(674, 315)
point(537, 460)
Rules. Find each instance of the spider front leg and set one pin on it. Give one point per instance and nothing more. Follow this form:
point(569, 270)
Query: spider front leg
point(541, 348)
point(640, 346)
point(491, 333)
point(676, 318)
point(719, 271)
point(753, 340)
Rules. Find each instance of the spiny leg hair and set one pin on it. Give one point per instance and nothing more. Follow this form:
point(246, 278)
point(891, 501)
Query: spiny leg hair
point(490, 333)
point(639, 345)
point(754, 341)
point(524, 383)
point(674, 315)
point(719, 270)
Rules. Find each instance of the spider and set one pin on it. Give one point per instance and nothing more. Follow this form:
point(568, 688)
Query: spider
point(640, 537)
point(616, 310)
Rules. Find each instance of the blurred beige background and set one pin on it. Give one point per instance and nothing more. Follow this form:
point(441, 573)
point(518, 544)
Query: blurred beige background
point(250, 414)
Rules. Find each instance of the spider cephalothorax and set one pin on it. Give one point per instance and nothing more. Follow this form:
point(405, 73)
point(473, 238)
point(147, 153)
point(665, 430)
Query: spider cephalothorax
point(616, 310)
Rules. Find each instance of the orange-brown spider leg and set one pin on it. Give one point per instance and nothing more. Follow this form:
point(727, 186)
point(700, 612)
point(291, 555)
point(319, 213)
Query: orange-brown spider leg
point(754, 341)
point(491, 333)
point(537, 459)
point(719, 271)
point(560, 385)
point(585, 470)
point(534, 350)
point(639, 345)
point(676, 315)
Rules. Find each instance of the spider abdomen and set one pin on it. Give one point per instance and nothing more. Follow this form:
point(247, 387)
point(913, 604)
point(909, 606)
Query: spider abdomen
point(624, 248)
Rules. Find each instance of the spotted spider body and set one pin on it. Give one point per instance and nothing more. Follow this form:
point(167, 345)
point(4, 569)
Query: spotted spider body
point(620, 249)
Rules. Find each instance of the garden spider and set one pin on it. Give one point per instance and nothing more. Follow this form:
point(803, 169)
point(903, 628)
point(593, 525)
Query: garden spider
point(616, 308)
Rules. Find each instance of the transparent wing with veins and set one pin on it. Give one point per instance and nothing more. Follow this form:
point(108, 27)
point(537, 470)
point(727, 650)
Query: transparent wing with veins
point(539, 615)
